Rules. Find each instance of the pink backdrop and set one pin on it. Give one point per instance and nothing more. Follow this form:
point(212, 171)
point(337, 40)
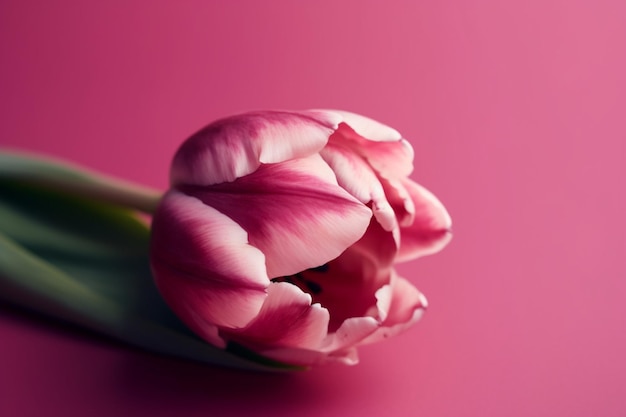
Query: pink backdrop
point(516, 112)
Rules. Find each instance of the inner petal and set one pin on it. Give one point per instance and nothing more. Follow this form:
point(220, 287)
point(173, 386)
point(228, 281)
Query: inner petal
point(347, 285)
point(355, 175)
point(389, 159)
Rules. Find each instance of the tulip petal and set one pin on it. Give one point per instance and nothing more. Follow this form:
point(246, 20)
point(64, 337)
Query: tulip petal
point(287, 319)
point(430, 231)
point(390, 159)
point(347, 285)
point(406, 306)
point(363, 166)
point(204, 267)
point(356, 176)
point(338, 346)
point(293, 212)
point(306, 357)
point(236, 146)
point(369, 128)
point(400, 200)
point(351, 332)
point(384, 296)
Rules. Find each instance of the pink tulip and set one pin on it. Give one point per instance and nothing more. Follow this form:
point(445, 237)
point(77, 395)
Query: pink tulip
point(281, 230)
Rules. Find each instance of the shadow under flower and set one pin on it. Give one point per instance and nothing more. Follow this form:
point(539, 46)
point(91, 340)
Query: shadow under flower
point(141, 380)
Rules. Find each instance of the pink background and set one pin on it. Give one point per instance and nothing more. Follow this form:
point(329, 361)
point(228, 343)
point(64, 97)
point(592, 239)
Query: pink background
point(516, 112)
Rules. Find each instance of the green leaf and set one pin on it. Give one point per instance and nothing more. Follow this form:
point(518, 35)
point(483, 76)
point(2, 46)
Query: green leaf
point(87, 262)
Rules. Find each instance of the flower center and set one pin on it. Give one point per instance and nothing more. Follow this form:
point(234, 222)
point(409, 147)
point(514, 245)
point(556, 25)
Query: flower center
point(305, 284)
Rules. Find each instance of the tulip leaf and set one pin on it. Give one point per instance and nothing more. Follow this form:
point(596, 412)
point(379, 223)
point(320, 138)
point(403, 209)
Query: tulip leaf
point(87, 263)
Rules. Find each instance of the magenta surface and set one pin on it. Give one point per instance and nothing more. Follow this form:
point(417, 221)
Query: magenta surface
point(516, 113)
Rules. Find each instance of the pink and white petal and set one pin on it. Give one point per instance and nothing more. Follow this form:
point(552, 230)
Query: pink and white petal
point(349, 356)
point(377, 246)
point(400, 200)
point(304, 357)
point(390, 159)
point(337, 347)
point(287, 319)
point(406, 305)
point(355, 276)
point(293, 212)
point(368, 128)
point(384, 296)
point(355, 175)
point(405, 299)
point(386, 332)
point(430, 231)
point(395, 160)
point(204, 266)
point(351, 332)
point(235, 146)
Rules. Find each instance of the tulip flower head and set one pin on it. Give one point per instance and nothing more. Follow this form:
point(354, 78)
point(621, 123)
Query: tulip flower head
point(281, 230)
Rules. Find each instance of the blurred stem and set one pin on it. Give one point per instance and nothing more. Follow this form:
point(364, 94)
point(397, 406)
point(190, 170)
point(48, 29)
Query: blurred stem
point(62, 176)
point(110, 190)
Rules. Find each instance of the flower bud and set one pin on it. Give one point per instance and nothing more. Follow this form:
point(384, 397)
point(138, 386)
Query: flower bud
point(281, 230)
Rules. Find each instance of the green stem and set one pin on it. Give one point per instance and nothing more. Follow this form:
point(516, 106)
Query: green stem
point(109, 190)
point(70, 179)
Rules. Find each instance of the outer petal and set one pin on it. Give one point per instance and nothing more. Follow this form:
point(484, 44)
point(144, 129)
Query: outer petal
point(235, 146)
point(287, 319)
point(293, 212)
point(337, 347)
point(430, 231)
point(305, 357)
point(405, 304)
point(350, 333)
point(204, 266)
